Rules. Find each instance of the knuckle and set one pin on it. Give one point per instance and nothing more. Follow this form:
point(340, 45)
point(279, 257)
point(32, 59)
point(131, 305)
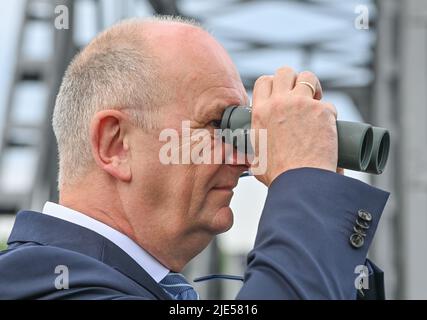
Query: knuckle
point(331, 107)
point(319, 108)
point(327, 110)
point(308, 74)
point(285, 70)
point(263, 79)
point(311, 78)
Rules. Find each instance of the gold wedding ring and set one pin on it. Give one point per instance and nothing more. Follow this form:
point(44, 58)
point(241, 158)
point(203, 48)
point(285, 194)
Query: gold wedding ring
point(308, 84)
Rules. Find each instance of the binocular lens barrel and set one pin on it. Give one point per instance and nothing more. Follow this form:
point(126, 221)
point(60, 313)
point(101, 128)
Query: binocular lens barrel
point(361, 147)
point(355, 142)
point(380, 151)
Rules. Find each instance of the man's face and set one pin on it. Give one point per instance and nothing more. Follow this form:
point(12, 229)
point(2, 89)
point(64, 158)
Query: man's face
point(194, 198)
point(208, 188)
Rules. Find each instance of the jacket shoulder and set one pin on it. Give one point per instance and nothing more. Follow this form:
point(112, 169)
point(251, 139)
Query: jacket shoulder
point(35, 271)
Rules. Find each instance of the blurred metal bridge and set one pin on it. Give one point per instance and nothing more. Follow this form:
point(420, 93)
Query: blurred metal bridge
point(381, 71)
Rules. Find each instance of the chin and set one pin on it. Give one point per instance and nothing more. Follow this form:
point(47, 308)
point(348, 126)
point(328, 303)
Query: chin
point(223, 220)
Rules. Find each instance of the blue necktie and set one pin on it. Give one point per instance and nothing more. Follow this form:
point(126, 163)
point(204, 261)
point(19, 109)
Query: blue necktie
point(178, 288)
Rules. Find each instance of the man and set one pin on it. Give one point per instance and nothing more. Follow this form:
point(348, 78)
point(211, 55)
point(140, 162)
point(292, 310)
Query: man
point(127, 224)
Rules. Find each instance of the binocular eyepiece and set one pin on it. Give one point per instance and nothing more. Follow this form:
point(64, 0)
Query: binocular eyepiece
point(361, 147)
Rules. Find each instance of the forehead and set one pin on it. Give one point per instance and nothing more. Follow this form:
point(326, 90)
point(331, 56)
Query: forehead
point(199, 66)
point(215, 80)
point(212, 85)
point(216, 85)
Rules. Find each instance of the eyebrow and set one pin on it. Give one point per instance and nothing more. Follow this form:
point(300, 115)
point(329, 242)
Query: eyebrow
point(216, 111)
point(216, 108)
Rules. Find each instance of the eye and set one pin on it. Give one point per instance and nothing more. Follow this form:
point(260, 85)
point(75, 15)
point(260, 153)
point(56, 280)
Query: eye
point(216, 124)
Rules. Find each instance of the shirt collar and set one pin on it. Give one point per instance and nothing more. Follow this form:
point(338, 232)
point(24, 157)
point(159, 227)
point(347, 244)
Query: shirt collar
point(153, 267)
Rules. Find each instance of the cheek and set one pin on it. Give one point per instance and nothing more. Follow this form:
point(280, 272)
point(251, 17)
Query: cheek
point(206, 175)
point(201, 184)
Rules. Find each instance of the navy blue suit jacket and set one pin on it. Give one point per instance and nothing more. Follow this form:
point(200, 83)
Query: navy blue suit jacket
point(302, 249)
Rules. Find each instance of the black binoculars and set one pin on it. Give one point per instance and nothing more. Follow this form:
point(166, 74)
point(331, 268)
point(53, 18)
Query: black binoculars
point(361, 147)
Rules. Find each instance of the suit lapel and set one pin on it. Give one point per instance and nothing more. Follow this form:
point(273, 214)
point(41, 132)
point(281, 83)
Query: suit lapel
point(118, 259)
point(46, 230)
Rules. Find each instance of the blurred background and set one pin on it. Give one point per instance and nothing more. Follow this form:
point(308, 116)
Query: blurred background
point(371, 57)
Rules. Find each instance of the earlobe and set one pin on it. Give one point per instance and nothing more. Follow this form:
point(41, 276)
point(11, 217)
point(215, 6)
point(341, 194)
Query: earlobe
point(110, 148)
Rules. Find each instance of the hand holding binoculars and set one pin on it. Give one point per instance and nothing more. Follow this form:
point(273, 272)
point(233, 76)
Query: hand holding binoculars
point(361, 147)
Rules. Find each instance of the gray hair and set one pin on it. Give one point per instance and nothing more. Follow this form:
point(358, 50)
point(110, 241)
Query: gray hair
point(115, 71)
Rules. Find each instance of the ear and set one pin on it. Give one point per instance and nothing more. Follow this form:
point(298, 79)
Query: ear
point(109, 143)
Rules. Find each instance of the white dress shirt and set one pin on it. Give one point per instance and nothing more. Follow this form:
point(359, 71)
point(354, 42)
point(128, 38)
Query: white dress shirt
point(153, 267)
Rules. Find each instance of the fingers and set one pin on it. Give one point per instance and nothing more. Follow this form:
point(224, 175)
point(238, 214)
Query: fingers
point(262, 89)
point(305, 83)
point(284, 81)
